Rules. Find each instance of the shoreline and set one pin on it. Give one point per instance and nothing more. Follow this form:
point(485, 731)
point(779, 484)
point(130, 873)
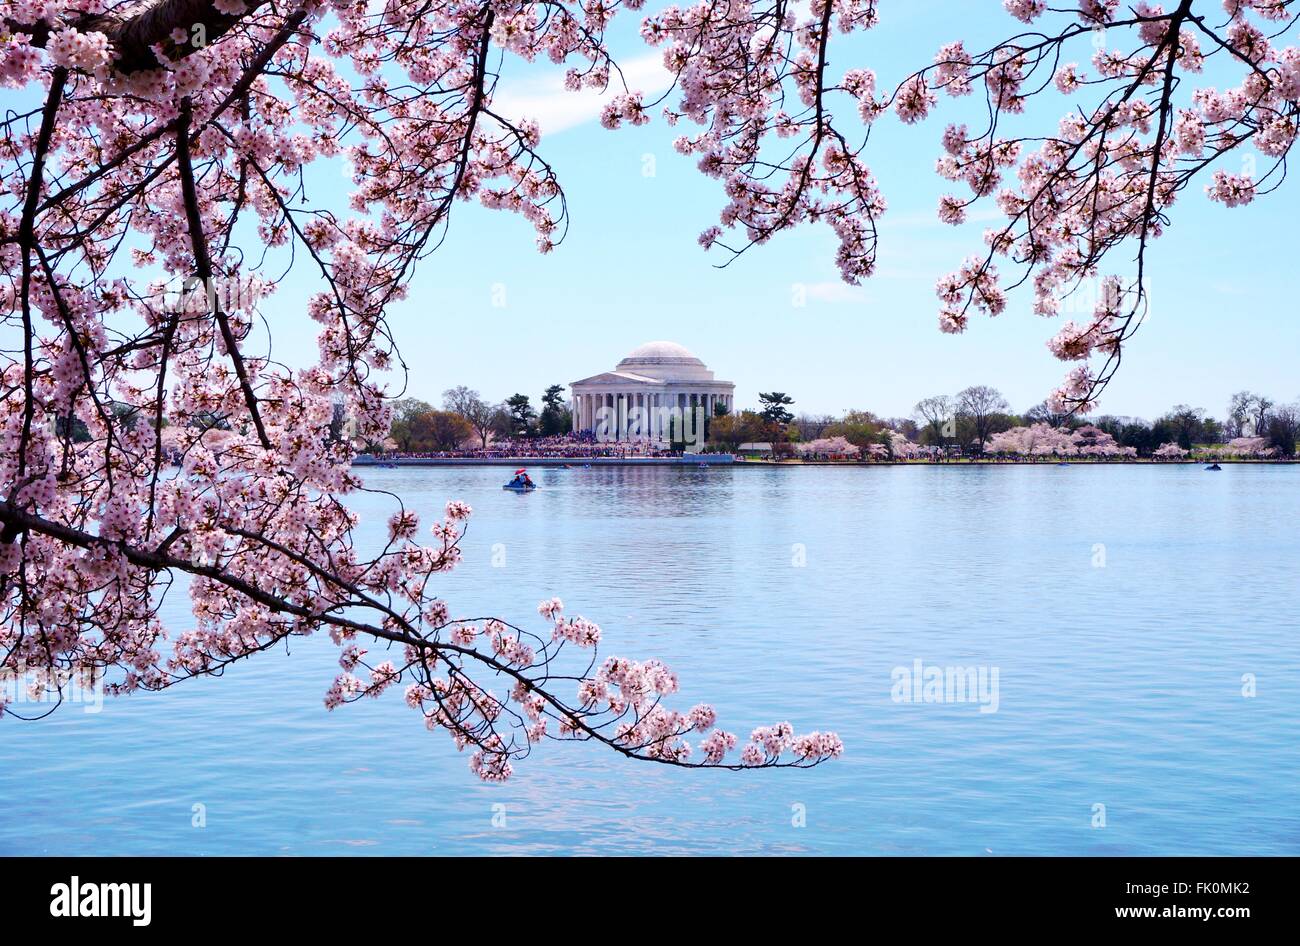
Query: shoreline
point(729, 460)
point(707, 459)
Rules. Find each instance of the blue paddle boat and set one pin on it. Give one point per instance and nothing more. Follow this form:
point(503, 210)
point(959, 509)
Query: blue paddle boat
point(522, 483)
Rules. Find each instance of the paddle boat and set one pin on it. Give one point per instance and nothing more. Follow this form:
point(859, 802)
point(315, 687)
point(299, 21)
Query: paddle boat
point(1214, 466)
point(522, 483)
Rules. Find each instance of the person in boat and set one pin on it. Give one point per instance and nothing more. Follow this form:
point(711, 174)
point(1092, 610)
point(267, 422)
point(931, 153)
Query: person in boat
point(522, 480)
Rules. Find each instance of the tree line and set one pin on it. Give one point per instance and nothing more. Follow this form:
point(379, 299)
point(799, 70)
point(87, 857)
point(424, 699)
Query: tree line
point(963, 423)
point(419, 427)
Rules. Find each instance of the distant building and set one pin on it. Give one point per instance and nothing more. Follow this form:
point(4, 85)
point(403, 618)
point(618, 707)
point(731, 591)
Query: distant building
point(638, 399)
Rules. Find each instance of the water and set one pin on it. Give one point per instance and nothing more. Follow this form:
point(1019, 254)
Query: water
point(1119, 686)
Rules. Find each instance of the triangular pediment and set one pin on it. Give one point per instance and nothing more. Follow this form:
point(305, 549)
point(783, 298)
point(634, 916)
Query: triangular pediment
point(619, 377)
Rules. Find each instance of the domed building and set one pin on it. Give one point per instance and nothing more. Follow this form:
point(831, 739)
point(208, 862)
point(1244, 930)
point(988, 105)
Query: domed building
point(655, 381)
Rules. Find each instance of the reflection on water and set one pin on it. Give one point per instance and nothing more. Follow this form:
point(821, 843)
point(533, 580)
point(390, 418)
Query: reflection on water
point(1119, 685)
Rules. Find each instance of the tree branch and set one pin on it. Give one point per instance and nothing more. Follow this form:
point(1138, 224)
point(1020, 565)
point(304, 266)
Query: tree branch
point(132, 36)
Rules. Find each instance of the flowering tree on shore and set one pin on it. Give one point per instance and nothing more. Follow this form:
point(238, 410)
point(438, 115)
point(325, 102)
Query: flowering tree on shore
point(1043, 440)
point(1170, 451)
point(901, 448)
point(155, 178)
point(1245, 448)
point(828, 447)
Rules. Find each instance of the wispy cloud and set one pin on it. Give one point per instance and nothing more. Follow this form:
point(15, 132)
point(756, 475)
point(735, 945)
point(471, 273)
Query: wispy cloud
point(545, 100)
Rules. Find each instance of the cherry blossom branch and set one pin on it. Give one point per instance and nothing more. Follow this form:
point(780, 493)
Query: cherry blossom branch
point(655, 734)
point(203, 267)
point(133, 35)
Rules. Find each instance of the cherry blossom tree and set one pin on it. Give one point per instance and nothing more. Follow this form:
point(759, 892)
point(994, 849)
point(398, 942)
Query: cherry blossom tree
point(1043, 440)
point(828, 447)
point(1033, 441)
point(1094, 442)
point(1245, 448)
point(156, 186)
point(1169, 451)
point(900, 447)
point(170, 138)
point(1081, 203)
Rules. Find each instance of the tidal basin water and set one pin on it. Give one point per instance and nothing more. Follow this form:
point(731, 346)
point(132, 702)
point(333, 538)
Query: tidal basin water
point(1122, 608)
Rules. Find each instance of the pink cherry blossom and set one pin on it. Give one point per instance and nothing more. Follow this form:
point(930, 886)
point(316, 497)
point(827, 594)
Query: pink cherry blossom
point(157, 186)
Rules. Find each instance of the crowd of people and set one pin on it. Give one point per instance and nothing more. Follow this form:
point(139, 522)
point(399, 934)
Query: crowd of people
point(1025, 444)
point(581, 446)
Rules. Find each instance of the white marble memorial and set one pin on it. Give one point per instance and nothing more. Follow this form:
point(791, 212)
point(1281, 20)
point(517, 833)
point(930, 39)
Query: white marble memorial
point(655, 383)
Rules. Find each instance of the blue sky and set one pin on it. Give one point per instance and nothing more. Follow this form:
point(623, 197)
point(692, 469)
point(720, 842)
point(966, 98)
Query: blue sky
point(631, 271)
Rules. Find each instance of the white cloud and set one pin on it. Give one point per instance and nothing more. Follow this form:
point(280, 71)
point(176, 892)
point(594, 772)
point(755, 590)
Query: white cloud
point(544, 99)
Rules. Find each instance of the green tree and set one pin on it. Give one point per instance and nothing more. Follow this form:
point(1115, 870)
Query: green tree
point(79, 432)
point(860, 428)
point(555, 417)
point(441, 430)
point(521, 412)
point(405, 413)
point(774, 407)
point(729, 431)
point(1283, 428)
point(1187, 423)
